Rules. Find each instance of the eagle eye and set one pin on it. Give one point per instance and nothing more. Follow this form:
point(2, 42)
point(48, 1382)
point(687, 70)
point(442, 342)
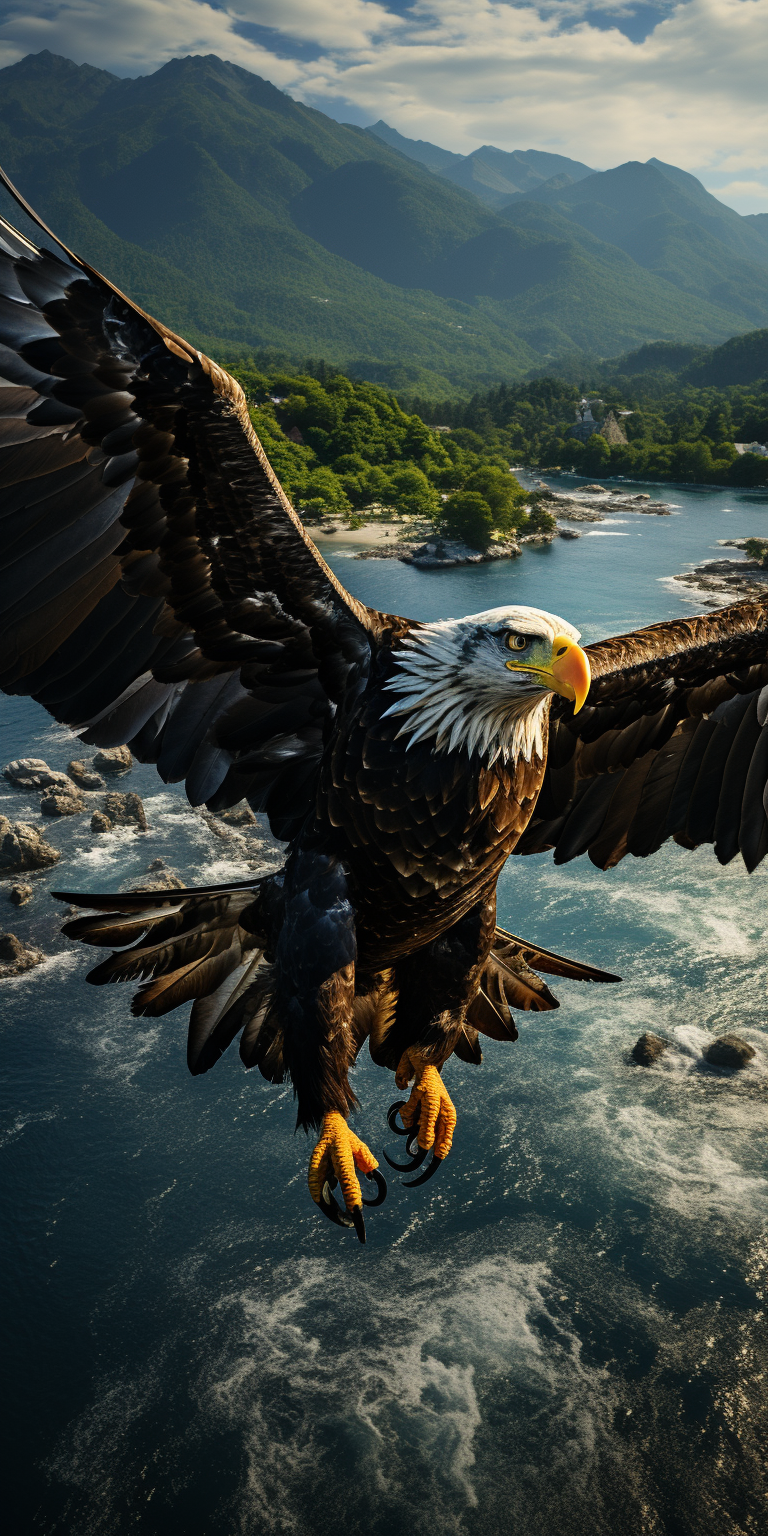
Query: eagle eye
point(517, 642)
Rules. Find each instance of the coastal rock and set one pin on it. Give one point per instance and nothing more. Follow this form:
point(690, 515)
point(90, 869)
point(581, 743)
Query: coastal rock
point(113, 760)
point(161, 878)
point(22, 847)
point(538, 538)
point(16, 957)
point(568, 533)
point(218, 828)
point(648, 1049)
point(729, 1051)
point(728, 581)
point(125, 810)
point(101, 823)
point(63, 800)
point(600, 490)
point(33, 773)
point(239, 815)
point(20, 894)
point(84, 777)
point(439, 554)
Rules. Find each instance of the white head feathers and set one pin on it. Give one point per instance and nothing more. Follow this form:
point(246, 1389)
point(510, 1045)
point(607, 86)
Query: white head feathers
point(453, 683)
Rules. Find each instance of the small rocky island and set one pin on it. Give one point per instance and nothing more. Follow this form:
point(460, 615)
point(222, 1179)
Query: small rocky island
point(727, 580)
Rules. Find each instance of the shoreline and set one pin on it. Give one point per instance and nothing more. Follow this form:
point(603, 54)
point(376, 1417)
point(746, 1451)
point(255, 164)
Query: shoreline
point(673, 485)
point(724, 581)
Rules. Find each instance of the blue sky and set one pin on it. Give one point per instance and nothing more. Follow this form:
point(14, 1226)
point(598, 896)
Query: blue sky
point(603, 82)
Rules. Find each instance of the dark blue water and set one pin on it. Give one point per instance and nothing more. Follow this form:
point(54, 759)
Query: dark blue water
point(564, 1332)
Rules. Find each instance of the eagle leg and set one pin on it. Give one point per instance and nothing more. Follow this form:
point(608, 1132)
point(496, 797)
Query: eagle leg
point(339, 1152)
point(429, 1113)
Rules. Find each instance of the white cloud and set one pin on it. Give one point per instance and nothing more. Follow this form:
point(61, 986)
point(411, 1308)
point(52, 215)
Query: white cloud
point(466, 72)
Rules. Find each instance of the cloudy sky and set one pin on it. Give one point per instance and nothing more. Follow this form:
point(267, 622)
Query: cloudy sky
point(601, 80)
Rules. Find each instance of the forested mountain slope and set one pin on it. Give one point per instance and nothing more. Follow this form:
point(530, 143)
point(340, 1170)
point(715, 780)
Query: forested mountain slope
point(255, 224)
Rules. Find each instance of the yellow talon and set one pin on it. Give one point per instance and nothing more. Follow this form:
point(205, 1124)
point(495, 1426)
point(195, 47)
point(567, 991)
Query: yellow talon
point(429, 1095)
point(338, 1152)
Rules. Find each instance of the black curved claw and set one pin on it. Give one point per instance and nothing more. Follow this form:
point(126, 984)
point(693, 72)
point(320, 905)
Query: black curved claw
point(381, 1188)
point(357, 1217)
point(331, 1208)
point(392, 1113)
point(416, 1160)
point(426, 1175)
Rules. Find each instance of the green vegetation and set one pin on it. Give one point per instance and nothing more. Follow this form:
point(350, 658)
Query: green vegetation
point(341, 448)
point(757, 549)
point(676, 430)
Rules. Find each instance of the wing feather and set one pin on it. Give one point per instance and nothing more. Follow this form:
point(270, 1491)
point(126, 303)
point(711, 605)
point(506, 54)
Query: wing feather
point(671, 744)
point(154, 575)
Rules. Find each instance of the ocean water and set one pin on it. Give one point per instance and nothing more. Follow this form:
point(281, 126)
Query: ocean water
point(563, 1332)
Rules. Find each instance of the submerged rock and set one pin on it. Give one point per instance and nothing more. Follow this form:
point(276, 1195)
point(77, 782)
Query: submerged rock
point(729, 1051)
point(125, 810)
point(20, 894)
point(113, 760)
point(84, 777)
point(33, 773)
point(648, 1049)
point(22, 847)
point(16, 957)
point(62, 800)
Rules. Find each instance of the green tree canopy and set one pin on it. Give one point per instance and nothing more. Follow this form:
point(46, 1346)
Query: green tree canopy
point(468, 517)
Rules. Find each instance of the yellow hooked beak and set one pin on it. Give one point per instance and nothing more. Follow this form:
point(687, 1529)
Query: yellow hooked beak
point(571, 675)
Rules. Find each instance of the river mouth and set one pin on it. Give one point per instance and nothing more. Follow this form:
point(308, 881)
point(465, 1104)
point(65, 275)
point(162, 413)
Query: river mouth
point(563, 1331)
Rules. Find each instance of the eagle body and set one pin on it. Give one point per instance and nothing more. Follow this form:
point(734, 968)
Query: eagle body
point(159, 590)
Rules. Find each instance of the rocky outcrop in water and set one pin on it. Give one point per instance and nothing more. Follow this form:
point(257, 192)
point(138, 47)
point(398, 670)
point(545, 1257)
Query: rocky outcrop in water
point(22, 847)
point(438, 554)
point(34, 773)
point(648, 1049)
point(729, 1051)
point(20, 893)
point(101, 823)
point(84, 777)
point(727, 581)
point(125, 810)
point(113, 760)
point(239, 815)
point(16, 957)
point(160, 877)
point(62, 800)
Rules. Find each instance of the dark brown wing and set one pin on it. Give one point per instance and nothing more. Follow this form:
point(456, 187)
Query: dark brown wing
point(673, 743)
point(157, 586)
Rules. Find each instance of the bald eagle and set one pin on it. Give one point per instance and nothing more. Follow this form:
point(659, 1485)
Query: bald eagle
point(160, 590)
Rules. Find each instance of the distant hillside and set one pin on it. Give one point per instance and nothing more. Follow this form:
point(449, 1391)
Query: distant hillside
point(670, 225)
point(493, 175)
point(758, 221)
point(258, 226)
point(742, 360)
point(430, 155)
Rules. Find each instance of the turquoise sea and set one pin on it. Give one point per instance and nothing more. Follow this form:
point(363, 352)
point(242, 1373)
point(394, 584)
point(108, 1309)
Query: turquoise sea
point(564, 1332)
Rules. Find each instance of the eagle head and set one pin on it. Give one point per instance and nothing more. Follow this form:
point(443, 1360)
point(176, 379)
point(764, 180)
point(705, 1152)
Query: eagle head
point(484, 682)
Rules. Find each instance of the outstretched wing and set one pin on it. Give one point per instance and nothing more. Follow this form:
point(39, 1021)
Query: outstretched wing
point(157, 586)
point(672, 743)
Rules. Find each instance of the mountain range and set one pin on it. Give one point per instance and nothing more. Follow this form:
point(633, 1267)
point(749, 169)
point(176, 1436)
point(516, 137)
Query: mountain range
point(256, 225)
